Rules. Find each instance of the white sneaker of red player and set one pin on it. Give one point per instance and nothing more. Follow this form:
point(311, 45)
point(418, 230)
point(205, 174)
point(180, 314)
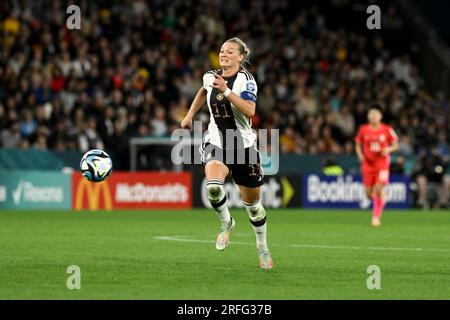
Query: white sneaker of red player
point(376, 222)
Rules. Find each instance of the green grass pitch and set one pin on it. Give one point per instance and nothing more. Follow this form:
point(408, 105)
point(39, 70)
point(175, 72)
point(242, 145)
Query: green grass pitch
point(317, 254)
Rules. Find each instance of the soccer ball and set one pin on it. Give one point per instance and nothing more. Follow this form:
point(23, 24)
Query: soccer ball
point(96, 165)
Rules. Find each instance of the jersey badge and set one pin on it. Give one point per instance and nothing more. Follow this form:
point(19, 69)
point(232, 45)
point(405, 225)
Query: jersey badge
point(251, 86)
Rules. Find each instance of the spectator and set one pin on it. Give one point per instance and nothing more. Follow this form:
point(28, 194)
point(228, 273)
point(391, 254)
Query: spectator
point(3, 119)
point(11, 137)
point(442, 146)
point(117, 143)
point(28, 125)
point(159, 123)
point(41, 142)
point(431, 167)
point(106, 126)
point(314, 81)
point(398, 165)
point(287, 141)
point(346, 122)
point(405, 146)
point(89, 138)
point(58, 135)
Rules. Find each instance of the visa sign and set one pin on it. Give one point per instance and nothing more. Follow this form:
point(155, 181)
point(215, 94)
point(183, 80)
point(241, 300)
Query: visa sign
point(348, 192)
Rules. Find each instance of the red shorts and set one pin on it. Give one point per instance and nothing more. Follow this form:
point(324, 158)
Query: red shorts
point(373, 175)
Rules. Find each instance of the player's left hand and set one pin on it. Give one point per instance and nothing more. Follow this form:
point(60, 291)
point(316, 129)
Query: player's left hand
point(385, 151)
point(219, 83)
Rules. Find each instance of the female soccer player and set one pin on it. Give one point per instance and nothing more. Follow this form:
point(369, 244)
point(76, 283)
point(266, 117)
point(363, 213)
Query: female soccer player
point(230, 144)
point(374, 144)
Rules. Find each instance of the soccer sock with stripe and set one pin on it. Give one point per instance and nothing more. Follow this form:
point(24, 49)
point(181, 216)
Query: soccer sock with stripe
point(218, 199)
point(257, 216)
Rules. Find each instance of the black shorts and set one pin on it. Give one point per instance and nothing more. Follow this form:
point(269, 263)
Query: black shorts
point(244, 164)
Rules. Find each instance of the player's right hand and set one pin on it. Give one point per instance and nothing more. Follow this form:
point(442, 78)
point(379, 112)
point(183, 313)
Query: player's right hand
point(186, 123)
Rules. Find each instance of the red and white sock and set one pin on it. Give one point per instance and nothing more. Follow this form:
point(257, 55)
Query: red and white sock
point(378, 206)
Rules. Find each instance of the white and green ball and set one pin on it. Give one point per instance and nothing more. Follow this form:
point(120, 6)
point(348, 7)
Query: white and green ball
point(96, 165)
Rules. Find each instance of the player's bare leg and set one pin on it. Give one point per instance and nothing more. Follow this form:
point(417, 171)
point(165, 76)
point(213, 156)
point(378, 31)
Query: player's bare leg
point(370, 194)
point(422, 190)
point(257, 215)
point(445, 191)
point(379, 200)
point(216, 173)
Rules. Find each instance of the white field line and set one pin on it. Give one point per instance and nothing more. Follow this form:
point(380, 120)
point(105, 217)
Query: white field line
point(314, 246)
point(183, 239)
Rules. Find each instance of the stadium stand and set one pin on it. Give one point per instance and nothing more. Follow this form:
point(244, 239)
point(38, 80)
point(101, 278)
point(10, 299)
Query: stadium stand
point(134, 67)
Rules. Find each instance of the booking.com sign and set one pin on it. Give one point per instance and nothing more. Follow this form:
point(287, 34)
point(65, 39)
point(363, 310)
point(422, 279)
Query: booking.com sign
point(348, 192)
point(268, 145)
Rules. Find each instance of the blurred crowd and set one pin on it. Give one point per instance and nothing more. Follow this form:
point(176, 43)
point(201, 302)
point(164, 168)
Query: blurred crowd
point(134, 67)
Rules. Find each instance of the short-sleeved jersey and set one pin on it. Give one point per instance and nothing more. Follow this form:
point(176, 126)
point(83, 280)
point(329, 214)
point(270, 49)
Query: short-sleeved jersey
point(373, 141)
point(228, 127)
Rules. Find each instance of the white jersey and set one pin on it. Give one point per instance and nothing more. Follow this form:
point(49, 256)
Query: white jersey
point(225, 118)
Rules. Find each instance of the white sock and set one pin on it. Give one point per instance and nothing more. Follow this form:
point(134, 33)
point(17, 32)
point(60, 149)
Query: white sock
point(218, 199)
point(257, 216)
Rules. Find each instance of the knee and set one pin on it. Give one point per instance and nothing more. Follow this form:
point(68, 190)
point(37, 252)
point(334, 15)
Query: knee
point(379, 192)
point(421, 180)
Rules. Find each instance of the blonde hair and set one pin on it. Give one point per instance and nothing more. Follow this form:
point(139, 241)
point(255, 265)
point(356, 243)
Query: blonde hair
point(243, 49)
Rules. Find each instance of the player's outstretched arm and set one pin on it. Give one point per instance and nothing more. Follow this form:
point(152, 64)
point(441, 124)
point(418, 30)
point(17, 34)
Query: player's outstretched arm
point(199, 101)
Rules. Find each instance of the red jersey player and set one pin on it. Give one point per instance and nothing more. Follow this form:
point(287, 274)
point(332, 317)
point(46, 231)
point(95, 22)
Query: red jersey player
point(374, 143)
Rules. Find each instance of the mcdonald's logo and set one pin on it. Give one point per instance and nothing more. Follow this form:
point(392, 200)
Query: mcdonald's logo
point(93, 191)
